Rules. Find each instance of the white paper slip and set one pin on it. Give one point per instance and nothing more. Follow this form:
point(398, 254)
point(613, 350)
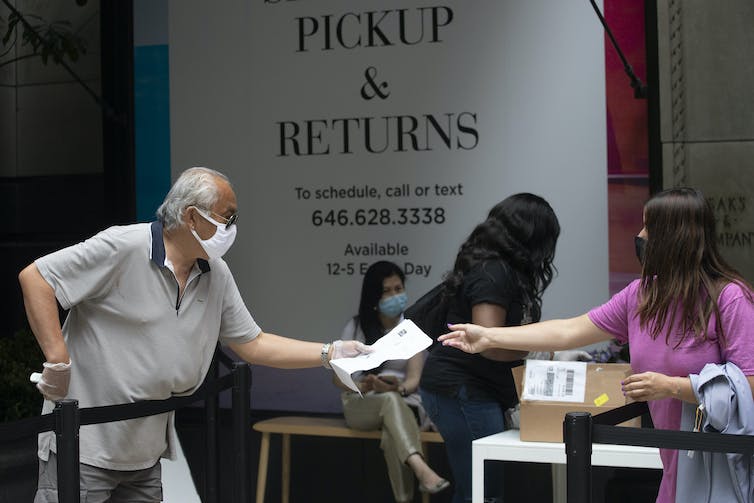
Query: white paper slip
point(554, 381)
point(401, 343)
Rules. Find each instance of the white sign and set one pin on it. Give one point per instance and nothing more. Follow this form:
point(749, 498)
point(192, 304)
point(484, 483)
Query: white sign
point(386, 130)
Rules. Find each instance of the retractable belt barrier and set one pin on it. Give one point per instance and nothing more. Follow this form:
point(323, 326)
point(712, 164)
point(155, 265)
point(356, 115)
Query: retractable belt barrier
point(66, 419)
point(581, 430)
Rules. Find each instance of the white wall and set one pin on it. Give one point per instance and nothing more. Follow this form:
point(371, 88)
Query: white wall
point(532, 73)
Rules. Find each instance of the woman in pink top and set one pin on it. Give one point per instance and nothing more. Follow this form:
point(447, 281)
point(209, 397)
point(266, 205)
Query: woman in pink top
point(688, 309)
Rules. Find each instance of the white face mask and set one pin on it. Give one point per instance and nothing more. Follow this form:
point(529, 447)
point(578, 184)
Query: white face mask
point(221, 240)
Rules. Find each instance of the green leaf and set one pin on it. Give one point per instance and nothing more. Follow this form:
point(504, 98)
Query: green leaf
point(13, 20)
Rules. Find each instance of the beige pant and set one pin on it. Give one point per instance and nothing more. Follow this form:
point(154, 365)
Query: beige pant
point(400, 433)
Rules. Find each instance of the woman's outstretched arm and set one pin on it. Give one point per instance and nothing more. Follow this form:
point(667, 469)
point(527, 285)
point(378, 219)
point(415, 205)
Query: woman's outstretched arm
point(552, 335)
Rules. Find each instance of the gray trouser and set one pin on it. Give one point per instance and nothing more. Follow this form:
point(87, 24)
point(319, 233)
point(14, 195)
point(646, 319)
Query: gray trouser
point(400, 433)
point(99, 485)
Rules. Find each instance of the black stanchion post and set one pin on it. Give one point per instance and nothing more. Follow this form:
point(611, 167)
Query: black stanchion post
point(67, 436)
point(577, 435)
point(241, 425)
point(211, 409)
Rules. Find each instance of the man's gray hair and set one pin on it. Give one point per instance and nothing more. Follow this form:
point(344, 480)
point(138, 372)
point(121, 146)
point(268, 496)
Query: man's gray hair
point(195, 187)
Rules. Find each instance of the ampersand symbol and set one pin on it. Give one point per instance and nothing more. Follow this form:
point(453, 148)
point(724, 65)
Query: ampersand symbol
point(376, 89)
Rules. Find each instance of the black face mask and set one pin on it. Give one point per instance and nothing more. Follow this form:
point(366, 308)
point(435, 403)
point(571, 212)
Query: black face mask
point(641, 246)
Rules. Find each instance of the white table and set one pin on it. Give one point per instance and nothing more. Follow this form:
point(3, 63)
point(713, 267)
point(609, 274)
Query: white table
point(507, 446)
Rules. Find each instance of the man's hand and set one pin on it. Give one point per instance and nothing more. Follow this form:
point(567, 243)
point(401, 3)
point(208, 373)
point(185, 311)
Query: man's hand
point(54, 381)
point(466, 337)
point(348, 349)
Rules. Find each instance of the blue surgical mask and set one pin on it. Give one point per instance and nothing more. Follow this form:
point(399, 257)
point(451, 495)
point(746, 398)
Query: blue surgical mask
point(393, 306)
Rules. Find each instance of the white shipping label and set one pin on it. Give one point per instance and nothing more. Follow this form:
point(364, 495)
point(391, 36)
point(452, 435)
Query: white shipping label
point(554, 381)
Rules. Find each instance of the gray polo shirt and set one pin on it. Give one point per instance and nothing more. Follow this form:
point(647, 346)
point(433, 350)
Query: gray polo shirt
point(131, 337)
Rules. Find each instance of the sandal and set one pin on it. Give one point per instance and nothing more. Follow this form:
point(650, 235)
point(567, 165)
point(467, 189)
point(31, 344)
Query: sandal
point(440, 486)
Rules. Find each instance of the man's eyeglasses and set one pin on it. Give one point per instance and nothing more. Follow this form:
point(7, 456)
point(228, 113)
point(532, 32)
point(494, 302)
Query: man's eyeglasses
point(227, 221)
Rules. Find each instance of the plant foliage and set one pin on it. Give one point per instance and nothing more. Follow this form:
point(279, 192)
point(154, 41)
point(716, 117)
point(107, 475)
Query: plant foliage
point(19, 357)
point(54, 40)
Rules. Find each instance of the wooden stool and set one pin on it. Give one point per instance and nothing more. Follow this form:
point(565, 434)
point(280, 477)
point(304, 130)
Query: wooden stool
point(312, 426)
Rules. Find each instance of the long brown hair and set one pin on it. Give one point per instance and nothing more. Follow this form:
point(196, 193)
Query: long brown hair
point(682, 271)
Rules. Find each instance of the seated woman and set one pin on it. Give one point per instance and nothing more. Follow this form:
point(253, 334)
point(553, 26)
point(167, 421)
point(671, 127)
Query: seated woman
point(390, 401)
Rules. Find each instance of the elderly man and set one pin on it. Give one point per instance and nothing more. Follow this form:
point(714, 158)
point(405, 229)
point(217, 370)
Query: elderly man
point(147, 304)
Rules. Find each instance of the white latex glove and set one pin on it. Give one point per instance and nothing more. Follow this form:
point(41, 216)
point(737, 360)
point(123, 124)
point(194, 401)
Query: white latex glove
point(572, 355)
point(348, 349)
point(54, 381)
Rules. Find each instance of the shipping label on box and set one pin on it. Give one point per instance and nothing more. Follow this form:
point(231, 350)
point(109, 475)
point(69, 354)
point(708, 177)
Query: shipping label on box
point(555, 381)
point(542, 419)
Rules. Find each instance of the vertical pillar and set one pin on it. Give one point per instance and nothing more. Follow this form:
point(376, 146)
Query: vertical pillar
point(211, 409)
point(241, 424)
point(67, 436)
point(577, 435)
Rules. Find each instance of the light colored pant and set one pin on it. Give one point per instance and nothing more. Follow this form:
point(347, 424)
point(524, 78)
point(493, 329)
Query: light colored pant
point(389, 413)
point(99, 485)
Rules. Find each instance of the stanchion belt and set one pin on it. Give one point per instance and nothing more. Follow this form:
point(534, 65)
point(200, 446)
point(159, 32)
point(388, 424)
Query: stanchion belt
point(94, 415)
point(15, 430)
point(621, 414)
point(604, 432)
point(226, 360)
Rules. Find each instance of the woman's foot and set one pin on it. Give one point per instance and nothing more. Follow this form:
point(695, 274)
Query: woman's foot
point(441, 485)
point(429, 481)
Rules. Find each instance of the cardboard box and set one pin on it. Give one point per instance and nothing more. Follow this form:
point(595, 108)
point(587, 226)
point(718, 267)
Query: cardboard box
point(542, 421)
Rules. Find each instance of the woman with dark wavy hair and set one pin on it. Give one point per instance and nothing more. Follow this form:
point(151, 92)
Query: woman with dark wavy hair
point(689, 308)
point(499, 275)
